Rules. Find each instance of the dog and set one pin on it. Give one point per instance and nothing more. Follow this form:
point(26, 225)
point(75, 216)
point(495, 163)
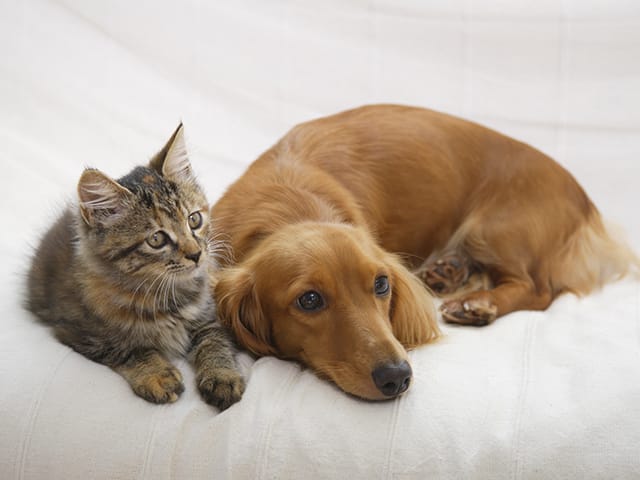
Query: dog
point(336, 229)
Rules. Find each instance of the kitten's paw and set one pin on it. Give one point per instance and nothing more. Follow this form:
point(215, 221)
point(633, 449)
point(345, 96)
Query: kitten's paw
point(163, 386)
point(475, 311)
point(221, 387)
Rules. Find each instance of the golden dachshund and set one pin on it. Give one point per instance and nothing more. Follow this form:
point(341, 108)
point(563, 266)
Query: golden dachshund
point(325, 226)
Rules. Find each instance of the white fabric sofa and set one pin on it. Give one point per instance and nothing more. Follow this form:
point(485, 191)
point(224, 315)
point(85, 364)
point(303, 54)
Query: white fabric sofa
point(552, 394)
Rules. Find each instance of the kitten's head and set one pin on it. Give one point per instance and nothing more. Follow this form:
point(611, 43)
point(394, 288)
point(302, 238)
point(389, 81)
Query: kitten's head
point(149, 223)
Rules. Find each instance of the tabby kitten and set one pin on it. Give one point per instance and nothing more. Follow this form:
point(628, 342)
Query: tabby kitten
point(124, 279)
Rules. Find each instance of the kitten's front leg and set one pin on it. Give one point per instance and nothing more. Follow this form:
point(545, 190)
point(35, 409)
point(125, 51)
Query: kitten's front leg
point(220, 382)
point(151, 376)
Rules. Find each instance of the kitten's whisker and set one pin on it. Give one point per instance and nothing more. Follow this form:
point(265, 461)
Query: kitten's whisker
point(149, 289)
point(164, 297)
point(158, 294)
point(135, 294)
point(173, 292)
point(170, 283)
point(220, 250)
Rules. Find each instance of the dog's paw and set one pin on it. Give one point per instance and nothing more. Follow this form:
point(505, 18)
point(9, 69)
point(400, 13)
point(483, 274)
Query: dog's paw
point(221, 387)
point(163, 386)
point(446, 275)
point(474, 311)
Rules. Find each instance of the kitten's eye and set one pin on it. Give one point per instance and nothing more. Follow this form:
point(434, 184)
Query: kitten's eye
point(381, 286)
point(195, 220)
point(158, 239)
point(310, 301)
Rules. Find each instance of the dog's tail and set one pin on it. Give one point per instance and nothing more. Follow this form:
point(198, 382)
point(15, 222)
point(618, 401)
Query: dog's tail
point(594, 255)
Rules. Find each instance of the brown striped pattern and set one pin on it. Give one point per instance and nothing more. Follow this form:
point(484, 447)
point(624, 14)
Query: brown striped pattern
point(113, 297)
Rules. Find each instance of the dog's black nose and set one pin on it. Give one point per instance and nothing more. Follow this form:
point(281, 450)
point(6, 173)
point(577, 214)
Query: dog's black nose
point(392, 378)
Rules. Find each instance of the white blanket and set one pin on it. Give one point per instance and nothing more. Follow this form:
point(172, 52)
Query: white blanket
point(552, 394)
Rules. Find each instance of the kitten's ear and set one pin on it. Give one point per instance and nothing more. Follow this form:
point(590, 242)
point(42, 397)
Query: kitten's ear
point(101, 198)
point(172, 162)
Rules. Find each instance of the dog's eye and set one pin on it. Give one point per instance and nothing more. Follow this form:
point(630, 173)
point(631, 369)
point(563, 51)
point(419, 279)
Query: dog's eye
point(310, 301)
point(381, 286)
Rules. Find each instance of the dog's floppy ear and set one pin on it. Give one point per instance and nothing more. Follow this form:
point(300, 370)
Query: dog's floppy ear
point(239, 309)
point(413, 315)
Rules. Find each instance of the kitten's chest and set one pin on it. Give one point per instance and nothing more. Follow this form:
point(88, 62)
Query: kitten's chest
point(167, 334)
point(144, 322)
point(171, 331)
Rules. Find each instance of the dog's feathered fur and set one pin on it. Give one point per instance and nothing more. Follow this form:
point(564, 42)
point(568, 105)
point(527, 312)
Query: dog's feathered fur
point(322, 209)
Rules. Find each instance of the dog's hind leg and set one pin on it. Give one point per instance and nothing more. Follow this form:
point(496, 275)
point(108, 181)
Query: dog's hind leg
point(511, 253)
point(484, 306)
point(447, 273)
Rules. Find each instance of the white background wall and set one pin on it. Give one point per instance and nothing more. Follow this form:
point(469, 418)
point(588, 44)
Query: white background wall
point(89, 82)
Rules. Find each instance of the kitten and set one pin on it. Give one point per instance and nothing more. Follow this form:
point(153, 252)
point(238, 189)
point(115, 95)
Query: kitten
point(124, 279)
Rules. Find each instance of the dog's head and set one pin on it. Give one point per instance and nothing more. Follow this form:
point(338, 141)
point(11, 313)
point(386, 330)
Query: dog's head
point(328, 296)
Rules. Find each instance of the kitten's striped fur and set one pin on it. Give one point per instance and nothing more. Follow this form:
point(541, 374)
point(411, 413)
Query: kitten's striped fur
point(124, 279)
